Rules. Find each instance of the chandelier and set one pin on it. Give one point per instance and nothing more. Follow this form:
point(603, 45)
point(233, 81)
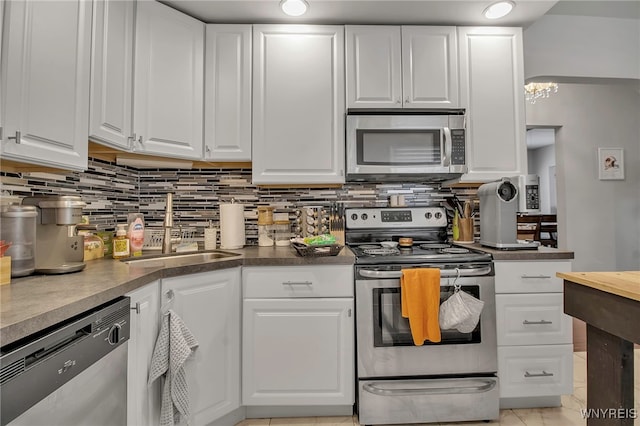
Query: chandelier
point(535, 91)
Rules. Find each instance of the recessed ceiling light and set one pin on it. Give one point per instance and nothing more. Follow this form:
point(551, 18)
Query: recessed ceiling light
point(294, 7)
point(499, 9)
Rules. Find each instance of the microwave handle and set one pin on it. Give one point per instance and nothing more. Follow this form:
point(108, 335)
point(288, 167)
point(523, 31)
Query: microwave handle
point(446, 146)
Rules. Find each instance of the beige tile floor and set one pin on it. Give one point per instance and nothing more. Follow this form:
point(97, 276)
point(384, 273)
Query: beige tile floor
point(567, 415)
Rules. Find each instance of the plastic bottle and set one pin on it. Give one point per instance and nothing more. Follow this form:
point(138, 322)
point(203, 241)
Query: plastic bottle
point(136, 233)
point(121, 243)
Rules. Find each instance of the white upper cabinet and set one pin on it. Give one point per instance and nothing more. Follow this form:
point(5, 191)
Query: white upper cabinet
point(45, 82)
point(298, 104)
point(492, 91)
point(110, 121)
point(168, 82)
point(429, 67)
point(401, 67)
point(374, 71)
point(227, 113)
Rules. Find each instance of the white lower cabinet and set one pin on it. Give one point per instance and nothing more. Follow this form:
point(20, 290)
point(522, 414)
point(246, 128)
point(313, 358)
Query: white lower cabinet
point(529, 371)
point(298, 350)
point(535, 351)
point(143, 401)
point(209, 305)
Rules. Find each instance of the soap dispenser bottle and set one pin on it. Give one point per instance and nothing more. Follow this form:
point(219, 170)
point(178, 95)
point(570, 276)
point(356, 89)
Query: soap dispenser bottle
point(121, 247)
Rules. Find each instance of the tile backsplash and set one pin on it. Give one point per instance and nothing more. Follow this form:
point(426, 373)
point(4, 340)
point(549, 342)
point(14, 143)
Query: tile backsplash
point(111, 191)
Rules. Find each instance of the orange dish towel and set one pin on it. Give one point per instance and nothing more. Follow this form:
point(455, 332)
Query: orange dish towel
point(420, 299)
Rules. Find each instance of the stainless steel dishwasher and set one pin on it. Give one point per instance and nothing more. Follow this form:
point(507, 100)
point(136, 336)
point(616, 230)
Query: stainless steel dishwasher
point(71, 374)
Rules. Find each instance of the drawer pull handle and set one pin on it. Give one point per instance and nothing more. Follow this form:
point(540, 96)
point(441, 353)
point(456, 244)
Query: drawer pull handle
point(297, 283)
point(543, 374)
point(535, 277)
point(541, 322)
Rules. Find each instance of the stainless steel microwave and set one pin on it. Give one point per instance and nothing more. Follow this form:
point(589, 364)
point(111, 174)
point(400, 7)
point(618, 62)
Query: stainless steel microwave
point(427, 146)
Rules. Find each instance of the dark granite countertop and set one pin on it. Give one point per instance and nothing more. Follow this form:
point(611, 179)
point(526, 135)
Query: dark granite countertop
point(33, 303)
point(542, 253)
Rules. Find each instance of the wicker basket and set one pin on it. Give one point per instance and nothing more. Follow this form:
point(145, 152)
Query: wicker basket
point(323, 250)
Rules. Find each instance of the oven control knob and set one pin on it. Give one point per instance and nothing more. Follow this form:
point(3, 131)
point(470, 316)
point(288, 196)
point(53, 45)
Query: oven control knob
point(354, 217)
point(428, 215)
point(364, 216)
point(438, 215)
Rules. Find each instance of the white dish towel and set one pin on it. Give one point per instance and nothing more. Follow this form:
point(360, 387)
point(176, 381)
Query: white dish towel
point(174, 345)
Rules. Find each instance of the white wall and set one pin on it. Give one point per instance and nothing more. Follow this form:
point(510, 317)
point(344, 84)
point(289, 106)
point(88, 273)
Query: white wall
point(582, 46)
point(598, 220)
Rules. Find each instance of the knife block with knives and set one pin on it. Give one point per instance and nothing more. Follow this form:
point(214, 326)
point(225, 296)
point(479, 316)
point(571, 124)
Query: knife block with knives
point(336, 222)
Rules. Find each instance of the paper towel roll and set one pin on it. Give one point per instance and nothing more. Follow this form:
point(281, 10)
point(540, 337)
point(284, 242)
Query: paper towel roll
point(232, 226)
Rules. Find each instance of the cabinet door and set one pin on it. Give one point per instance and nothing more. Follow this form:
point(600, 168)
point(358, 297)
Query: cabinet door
point(143, 401)
point(298, 104)
point(228, 93)
point(169, 82)
point(209, 305)
point(532, 319)
point(112, 73)
point(542, 370)
point(45, 82)
point(530, 276)
point(298, 352)
point(429, 67)
point(491, 89)
point(374, 75)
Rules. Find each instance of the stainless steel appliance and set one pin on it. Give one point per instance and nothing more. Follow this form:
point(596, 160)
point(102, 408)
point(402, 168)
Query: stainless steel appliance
point(398, 382)
point(72, 374)
point(498, 216)
point(422, 145)
point(59, 249)
point(528, 193)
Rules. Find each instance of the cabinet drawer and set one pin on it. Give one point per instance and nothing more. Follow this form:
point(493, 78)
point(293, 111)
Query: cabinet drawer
point(529, 277)
point(535, 370)
point(532, 319)
point(298, 281)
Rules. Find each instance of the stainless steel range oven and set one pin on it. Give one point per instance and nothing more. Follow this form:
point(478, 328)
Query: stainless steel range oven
point(398, 382)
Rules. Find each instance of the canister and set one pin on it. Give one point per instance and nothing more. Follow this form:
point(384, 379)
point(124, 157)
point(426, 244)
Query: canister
point(19, 228)
point(282, 229)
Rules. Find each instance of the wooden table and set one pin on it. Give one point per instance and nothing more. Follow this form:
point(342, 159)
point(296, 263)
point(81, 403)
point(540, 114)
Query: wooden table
point(609, 302)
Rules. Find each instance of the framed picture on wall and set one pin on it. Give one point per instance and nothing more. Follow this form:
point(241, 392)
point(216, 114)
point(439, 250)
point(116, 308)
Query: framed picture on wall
point(610, 164)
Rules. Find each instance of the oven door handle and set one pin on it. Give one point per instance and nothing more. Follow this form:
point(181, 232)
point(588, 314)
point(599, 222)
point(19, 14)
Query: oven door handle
point(447, 273)
point(378, 389)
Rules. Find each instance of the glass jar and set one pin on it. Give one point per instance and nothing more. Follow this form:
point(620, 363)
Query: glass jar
point(282, 230)
point(19, 229)
point(265, 235)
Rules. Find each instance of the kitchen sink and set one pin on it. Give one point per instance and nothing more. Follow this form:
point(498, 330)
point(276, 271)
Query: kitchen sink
point(180, 259)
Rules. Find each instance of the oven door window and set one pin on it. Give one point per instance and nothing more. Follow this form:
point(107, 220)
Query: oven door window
point(399, 147)
point(391, 329)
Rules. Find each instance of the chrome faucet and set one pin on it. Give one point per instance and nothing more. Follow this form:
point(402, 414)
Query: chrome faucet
point(168, 224)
